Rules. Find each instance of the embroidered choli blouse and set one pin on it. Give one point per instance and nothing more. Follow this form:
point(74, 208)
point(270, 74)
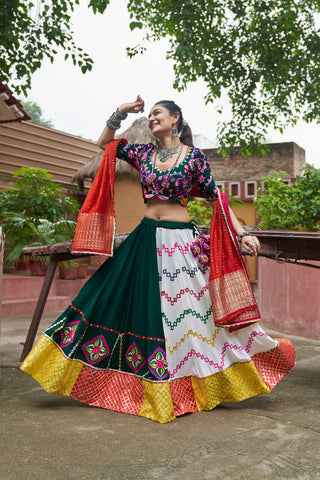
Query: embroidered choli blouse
point(173, 185)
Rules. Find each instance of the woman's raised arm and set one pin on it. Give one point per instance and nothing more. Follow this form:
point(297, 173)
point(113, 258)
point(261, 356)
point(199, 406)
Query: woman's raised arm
point(113, 123)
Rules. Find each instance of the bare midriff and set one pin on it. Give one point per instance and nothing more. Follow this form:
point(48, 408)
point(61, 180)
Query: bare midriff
point(165, 211)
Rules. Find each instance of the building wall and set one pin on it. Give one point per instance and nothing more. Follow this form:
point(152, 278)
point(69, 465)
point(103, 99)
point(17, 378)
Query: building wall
point(240, 176)
point(129, 205)
point(289, 299)
point(30, 145)
point(246, 215)
point(287, 156)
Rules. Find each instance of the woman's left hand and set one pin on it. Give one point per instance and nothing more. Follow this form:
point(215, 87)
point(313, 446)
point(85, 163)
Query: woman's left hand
point(251, 244)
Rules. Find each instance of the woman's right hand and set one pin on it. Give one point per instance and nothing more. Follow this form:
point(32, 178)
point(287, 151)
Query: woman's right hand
point(133, 107)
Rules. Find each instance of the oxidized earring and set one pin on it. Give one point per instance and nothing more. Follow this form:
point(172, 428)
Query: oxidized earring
point(174, 133)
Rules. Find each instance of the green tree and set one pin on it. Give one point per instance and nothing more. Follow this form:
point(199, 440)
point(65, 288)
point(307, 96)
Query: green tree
point(261, 57)
point(35, 112)
point(200, 210)
point(31, 32)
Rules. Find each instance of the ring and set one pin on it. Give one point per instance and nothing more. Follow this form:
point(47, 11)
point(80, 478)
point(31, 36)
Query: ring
point(252, 243)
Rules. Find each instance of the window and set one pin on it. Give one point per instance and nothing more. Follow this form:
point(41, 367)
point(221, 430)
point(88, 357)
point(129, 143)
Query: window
point(234, 189)
point(250, 189)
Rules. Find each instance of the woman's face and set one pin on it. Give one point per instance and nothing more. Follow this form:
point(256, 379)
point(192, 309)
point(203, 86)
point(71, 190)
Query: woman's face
point(161, 121)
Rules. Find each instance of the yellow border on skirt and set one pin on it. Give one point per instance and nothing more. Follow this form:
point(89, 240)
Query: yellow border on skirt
point(58, 374)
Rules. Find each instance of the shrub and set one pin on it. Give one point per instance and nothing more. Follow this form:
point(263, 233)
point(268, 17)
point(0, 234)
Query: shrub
point(282, 206)
point(36, 195)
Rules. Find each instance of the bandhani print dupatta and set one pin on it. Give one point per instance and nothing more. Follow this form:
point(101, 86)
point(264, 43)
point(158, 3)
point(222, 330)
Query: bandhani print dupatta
point(232, 299)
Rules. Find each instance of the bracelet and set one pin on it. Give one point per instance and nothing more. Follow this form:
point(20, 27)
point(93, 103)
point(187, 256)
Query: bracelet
point(114, 121)
point(243, 234)
point(121, 115)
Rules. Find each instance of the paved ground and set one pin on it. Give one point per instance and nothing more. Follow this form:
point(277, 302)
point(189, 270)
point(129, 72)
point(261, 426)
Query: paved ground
point(44, 436)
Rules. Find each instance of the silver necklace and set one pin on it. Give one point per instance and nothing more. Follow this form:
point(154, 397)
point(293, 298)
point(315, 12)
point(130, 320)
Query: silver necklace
point(165, 153)
point(165, 184)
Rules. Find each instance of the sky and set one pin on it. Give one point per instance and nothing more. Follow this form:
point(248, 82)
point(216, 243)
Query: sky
point(80, 104)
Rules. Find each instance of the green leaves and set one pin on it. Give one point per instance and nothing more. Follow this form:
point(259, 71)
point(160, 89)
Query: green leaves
point(27, 36)
point(200, 211)
point(24, 231)
point(283, 206)
point(264, 55)
point(134, 25)
point(36, 195)
point(98, 5)
point(33, 212)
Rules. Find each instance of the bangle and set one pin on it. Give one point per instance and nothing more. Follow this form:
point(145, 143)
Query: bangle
point(114, 121)
point(243, 234)
point(121, 115)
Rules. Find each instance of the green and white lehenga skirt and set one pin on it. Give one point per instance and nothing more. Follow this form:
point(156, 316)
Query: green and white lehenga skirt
point(140, 337)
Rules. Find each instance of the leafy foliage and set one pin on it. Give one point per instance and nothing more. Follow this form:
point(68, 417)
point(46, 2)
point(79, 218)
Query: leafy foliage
point(35, 195)
point(200, 211)
point(282, 206)
point(261, 58)
point(31, 32)
point(264, 55)
point(33, 212)
point(22, 231)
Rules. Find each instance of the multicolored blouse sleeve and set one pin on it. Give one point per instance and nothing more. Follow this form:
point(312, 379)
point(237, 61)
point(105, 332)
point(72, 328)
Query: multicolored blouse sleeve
point(134, 153)
point(129, 153)
point(203, 176)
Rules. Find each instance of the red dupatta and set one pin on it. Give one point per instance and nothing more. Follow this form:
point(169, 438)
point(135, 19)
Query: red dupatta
point(96, 224)
point(232, 299)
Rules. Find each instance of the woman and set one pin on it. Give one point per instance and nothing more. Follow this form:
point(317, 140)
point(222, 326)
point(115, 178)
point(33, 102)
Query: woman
point(151, 333)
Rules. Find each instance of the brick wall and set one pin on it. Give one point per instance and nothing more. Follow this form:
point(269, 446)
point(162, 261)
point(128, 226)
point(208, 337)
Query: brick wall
point(286, 156)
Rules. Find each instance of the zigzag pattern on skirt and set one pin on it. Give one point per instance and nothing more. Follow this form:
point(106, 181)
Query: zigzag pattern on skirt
point(194, 346)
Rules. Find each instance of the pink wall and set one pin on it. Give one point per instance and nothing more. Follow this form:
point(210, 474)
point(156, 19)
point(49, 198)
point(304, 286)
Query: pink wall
point(289, 297)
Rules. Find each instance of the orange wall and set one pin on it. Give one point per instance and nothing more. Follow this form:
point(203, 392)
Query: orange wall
point(247, 216)
point(129, 204)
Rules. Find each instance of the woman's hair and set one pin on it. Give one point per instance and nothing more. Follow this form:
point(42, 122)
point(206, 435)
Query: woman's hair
point(183, 128)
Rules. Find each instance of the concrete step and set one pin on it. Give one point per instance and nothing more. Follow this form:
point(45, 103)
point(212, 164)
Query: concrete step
point(20, 293)
point(24, 286)
point(26, 306)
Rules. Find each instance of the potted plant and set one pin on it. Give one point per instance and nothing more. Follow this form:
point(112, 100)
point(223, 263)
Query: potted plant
point(32, 232)
point(34, 212)
point(68, 270)
point(35, 195)
point(71, 270)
